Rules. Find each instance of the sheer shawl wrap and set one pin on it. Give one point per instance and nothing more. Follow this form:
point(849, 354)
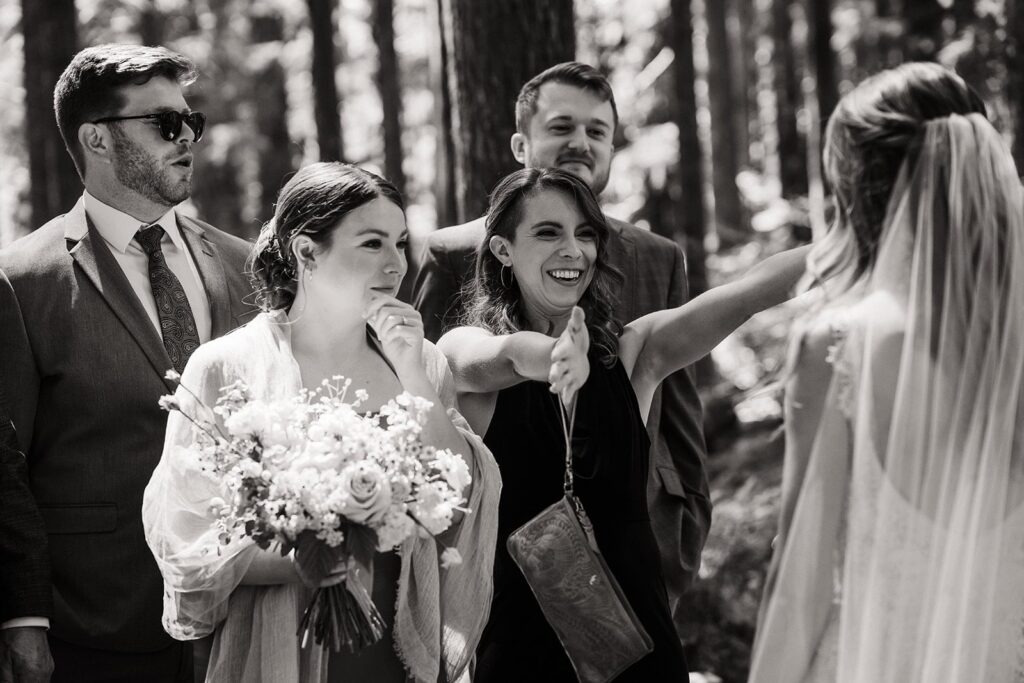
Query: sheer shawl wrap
point(440, 613)
point(902, 559)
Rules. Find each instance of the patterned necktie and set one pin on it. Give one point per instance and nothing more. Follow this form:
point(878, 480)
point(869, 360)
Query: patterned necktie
point(177, 325)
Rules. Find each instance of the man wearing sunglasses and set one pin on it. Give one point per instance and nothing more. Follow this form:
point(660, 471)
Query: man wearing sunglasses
point(96, 306)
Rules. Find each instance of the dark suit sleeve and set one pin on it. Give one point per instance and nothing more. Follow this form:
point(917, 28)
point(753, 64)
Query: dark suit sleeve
point(681, 427)
point(437, 289)
point(24, 559)
point(17, 366)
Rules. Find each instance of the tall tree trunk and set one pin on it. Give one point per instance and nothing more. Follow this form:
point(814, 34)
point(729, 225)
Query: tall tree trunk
point(327, 109)
point(1015, 76)
point(821, 29)
point(50, 36)
point(737, 22)
point(390, 90)
point(688, 194)
point(270, 108)
point(493, 48)
point(729, 223)
point(924, 33)
point(963, 13)
point(444, 154)
point(887, 8)
point(792, 148)
point(691, 215)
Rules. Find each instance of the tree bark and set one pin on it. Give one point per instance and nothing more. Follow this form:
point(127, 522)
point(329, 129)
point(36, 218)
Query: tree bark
point(270, 110)
point(50, 36)
point(492, 49)
point(688, 193)
point(444, 154)
point(691, 215)
point(1015, 76)
point(327, 108)
point(792, 147)
point(821, 29)
point(737, 22)
point(923, 22)
point(390, 90)
point(729, 223)
point(964, 14)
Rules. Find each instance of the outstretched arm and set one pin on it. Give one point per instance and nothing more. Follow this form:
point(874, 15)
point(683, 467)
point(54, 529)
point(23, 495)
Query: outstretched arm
point(483, 362)
point(660, 343)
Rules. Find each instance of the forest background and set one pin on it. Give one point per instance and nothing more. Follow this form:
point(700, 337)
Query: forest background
point(722, 107)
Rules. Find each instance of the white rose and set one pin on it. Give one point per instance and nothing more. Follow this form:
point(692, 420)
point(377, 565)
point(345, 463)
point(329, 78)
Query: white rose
point(366, 490)
point(396, 528)
point(454, 470)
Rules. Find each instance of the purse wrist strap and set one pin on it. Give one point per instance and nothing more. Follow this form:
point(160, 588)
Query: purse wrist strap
point(568, 422)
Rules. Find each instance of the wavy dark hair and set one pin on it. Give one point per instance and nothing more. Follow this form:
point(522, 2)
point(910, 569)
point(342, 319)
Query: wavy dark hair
point(499, 309)
point(312, 203)
point(873, 130)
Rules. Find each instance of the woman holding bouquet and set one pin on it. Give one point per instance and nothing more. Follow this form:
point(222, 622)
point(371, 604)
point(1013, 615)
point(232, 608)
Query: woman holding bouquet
point(326, 268)
point(539, 322)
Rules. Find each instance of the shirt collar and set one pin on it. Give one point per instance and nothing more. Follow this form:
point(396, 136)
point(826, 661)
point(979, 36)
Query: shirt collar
point(119, 228)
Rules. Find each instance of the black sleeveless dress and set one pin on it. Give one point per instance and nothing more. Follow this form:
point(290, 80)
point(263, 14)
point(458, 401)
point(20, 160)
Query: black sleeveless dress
point(610, 460)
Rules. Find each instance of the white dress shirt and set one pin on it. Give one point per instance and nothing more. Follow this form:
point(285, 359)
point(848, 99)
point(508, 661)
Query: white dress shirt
point(118, 231)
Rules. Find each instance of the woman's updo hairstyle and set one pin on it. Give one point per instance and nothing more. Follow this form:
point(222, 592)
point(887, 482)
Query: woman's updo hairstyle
point(312, 203)
point(874, 128)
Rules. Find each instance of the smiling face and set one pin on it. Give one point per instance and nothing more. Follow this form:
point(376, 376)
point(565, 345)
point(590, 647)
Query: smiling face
point(553, 256)
point(571, 130)
point(365, 255)
point(158, 170)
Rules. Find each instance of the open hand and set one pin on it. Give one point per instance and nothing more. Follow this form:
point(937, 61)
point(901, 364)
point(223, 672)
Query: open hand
point(399, 328)
point(570, 366)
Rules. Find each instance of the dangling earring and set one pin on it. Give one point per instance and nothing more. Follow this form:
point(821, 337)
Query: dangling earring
point(511, 276)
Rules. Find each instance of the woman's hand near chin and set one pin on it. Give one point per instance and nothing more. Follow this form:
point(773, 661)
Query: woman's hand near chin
point(399, 328)
point(570, 366)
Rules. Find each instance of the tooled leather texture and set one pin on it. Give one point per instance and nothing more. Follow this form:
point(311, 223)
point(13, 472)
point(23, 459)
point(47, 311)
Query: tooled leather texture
point(578, 595)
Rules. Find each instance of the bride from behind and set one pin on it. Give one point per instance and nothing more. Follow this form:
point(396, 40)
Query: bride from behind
point(900, 555)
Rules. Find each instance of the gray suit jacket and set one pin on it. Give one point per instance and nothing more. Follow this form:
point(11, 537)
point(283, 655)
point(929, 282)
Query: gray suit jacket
point(655, 279)
point(24, 560)
point(83, 367)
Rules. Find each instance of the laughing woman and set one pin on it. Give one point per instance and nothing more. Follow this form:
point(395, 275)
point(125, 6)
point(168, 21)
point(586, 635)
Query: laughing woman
point(540, 323)
point(327, 268)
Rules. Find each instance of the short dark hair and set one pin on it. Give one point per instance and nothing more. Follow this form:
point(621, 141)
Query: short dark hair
point(499, 308)
point(90, 86)
point(582, 76)
point(312, 203)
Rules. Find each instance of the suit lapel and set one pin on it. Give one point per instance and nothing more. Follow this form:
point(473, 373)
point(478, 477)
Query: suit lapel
point(90, 253)
point(211, 271)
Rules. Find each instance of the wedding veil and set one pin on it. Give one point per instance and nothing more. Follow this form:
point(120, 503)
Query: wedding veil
point(909, 541)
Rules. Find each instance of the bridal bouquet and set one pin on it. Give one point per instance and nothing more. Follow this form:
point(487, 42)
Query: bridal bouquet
point(314, 476)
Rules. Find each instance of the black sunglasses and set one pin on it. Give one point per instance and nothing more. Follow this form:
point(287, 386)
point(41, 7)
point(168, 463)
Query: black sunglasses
point(169, 122)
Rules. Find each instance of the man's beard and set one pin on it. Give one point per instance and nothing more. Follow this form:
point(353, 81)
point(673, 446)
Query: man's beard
point(599, 176)
point(140, 171)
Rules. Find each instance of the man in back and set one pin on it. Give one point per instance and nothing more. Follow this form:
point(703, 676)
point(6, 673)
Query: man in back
point(97, 306)
point(566, 118)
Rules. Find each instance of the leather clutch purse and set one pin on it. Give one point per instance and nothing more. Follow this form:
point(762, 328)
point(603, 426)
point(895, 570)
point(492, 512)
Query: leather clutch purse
point(581, 600)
